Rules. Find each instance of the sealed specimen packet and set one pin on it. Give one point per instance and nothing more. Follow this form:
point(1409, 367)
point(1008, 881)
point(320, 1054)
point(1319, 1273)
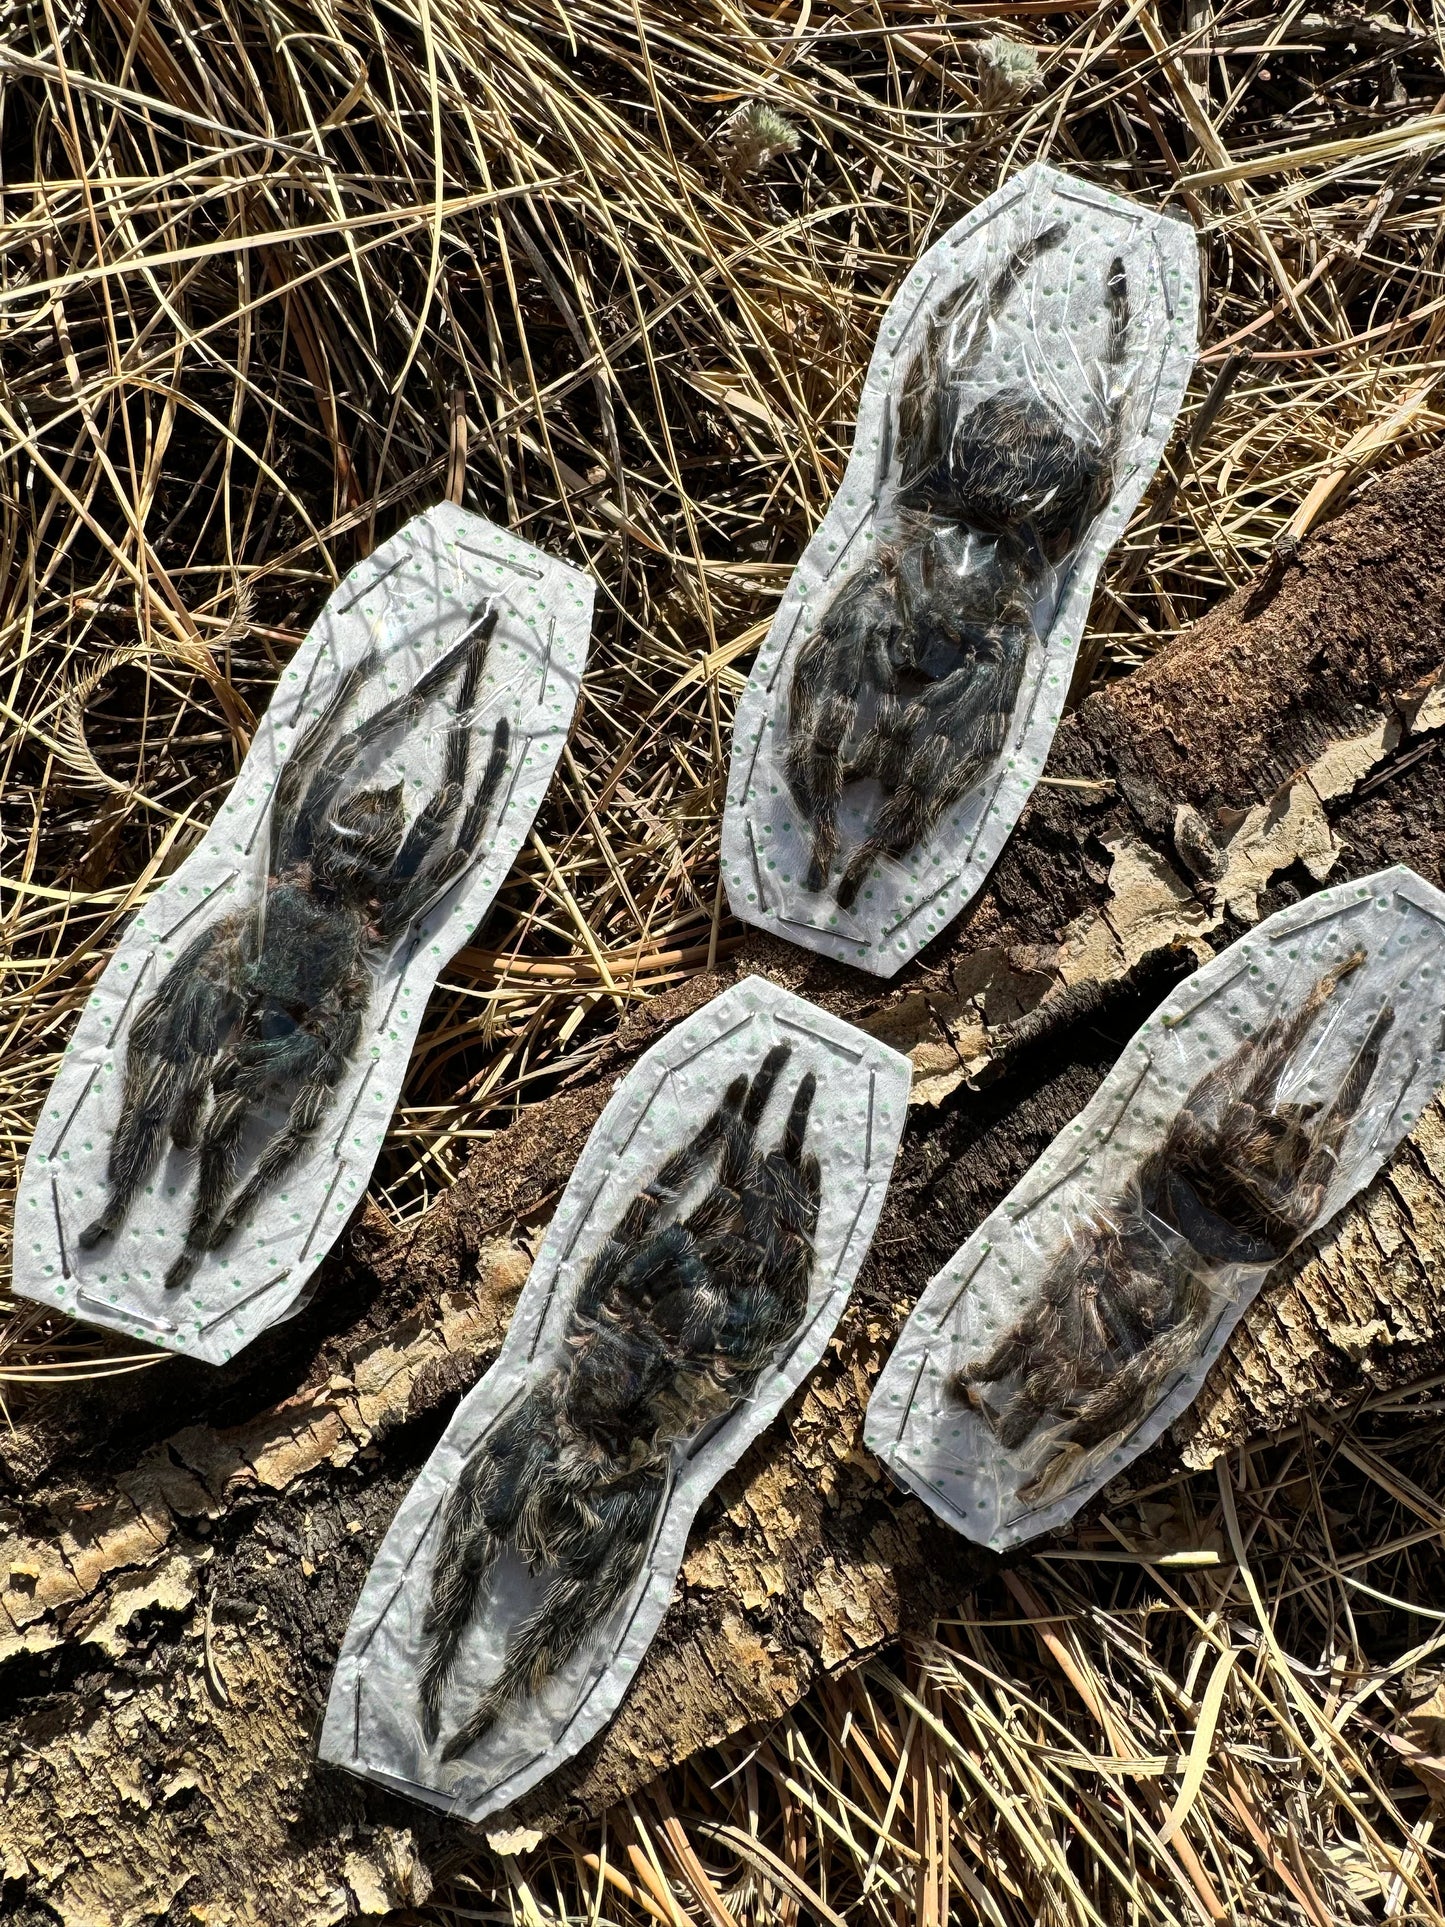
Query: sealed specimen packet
point(702, 1253)
point(223, 1099)
point(1025, 380)
point(1082, 1317)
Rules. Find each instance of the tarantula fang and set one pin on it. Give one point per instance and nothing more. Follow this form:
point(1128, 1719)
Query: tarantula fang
point(1240, 1179)
point(273, 998)
point(912, 677)
point(678, 1314)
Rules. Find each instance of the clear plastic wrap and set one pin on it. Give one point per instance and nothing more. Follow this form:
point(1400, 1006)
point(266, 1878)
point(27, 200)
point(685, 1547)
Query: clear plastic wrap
point(1024, 383)
point(1082, 1316)
point(701, 1255)
point(225, 1093)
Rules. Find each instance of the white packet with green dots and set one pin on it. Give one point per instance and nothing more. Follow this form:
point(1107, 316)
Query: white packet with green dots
point(1083, 1315)
point(288, 961)
point(1024, 383)
point(671, 1312)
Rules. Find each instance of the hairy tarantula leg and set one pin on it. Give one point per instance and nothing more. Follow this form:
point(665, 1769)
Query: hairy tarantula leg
point(1002, 286)
point(962, 724)
point(814, 772)
point(181, 1027)
point(919, 411)
point(1329, 1131)
point(1021, 1349)
point(1118, 315)
point(733, 1124)
point(796, 1128)
point(300, 766)
point(445, 803)
point(1362, 1071)
point(220, 1142)
point(320, 1062)
point(1130, 1392)
point(1034, 1399)
point(307, 1108)
point(680, 1169)
point(573, 1605)
point(788, 1180)
point(294, 823)
point(1011, 1354)
point(938, 773)
point(1111, 399)
point(763, 1084)
point(481, 1515)
point(300, 777)
point(191, 1102)
point(417, 897)
point(740, 1126)
point(150, 1094)
point(1272, 1051)
point(220, 1145)
point(790, 1187)
point(848, 657)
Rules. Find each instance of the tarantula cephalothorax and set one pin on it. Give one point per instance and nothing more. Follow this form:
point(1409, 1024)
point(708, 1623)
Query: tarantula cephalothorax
point(676, 1318)
point(912, 676)
point(1240, 1178)
point(272, 1000)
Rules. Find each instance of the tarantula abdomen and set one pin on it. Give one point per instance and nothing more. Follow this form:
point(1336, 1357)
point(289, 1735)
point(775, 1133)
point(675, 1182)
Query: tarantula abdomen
point(1013, 463)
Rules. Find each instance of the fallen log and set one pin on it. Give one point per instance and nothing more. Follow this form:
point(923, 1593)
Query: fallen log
point(183, 1548)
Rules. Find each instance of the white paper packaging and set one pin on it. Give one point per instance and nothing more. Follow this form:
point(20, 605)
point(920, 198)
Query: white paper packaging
point(1090, 1258)
point(373, 1724)
point(412, 601)
point(1097, 337)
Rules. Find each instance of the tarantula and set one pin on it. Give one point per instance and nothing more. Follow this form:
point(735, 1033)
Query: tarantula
point(273, 998)
point(676, 1318)
point(1240, 1179)
point(913, 673)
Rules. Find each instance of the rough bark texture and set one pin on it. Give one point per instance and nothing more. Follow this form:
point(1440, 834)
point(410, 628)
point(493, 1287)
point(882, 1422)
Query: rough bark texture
point(182, 1548)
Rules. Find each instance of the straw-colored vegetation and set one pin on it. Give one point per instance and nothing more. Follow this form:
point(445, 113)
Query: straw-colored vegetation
point(276, 274)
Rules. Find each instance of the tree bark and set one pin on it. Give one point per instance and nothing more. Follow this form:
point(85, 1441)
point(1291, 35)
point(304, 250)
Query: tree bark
point(183, 1547)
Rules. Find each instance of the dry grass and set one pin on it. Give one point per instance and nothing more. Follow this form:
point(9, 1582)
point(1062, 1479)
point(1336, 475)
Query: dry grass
point(1123, 1732)
point(276, 274)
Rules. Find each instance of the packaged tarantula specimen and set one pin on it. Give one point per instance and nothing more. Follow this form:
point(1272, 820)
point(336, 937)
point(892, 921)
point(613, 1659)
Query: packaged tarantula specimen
point(701, 1255)
point(1024, 383)
point(1082, 1317)
point(222, 1101)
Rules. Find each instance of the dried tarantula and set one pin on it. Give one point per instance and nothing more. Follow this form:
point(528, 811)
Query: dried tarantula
point(1240, 1178)
point(913, 673)
point(273, 999)
point(676, 1318)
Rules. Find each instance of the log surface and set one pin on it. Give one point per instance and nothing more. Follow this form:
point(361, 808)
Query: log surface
point(182, 1548)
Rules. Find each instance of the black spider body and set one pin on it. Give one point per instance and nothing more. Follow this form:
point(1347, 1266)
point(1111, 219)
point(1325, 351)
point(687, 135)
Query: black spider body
point(1013, 466)
point(269, 1004)
point(676, 1318)
point(912, 676)
point(1240, 1179)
